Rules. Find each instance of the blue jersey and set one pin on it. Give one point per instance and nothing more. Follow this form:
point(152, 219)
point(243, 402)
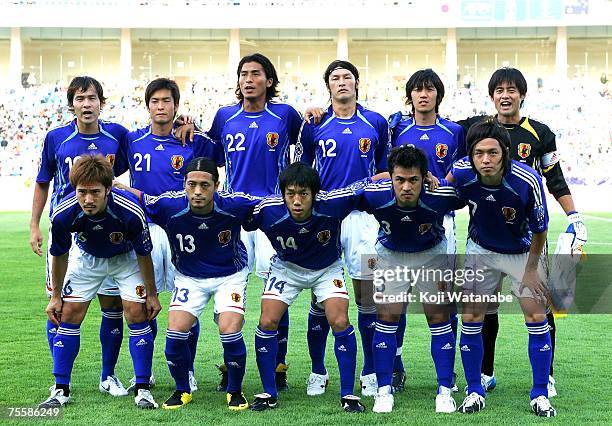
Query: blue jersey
point(313, 244)
point(64, 145)
point(502, 218)
point(256, 145)
point(157, 163)
point(443, 143)
point(119, 229)
point(345, 150)
point(203, 246)
point(414, 229)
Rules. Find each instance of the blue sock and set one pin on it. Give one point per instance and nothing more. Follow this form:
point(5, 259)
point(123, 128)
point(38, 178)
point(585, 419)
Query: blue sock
point(194, 335)
point(283, 336)
point(443, 351)
point(471, 348)
point(540, 353)
point(454, 319)
point(111, 336)
point(153, 325)
point(318, 329)
point(65, 350)
point(141, 349)
point(398, 364)
point(178, 358)
point(266, 346)
point(366, 320)
point(384, 348)
point(51, 330)
point(234, 357)
point(345, 347)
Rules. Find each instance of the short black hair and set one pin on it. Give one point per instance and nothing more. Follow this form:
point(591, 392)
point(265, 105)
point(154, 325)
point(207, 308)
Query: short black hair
point(81, 84)
point(425, 78)
point(407, 156)
point(509, 76)
point(345, 65)
point(269, 70)
point(161, 84)
point(489, 128)
point(203, 164)
point(300, 174)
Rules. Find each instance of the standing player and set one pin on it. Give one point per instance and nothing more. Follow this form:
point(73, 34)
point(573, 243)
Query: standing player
point(349, 144)
point(411, 236)
point(63, 146)
point(305, 232)
point(533, 144)
point(256, 134)
point(157, 160)
point(507, 234)
point(113, 237)
point(443, 142)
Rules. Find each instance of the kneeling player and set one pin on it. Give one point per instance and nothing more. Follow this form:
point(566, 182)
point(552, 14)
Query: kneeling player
point(411, 238)
point(113, 238)
point(305, 231)
point(203, 227)
point(507, 232)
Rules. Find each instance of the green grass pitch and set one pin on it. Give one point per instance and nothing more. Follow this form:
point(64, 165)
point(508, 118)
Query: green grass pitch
point(582, 363)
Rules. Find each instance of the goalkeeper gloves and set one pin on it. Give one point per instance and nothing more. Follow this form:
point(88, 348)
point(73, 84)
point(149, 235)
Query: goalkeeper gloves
point(577, 228)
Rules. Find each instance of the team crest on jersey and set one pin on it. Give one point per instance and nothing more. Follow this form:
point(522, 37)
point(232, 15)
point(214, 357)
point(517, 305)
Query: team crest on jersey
point(324, 236)
point(424, 227)
point(140, 290)
point(272, 139)
point(364, 145)
point(111, 159)
point(225, 237)
point(441, 150)
point(371, 263)
point(338, 283)
point(236, 297)
point(177, 162)
point(509, 213)
point(524, 149)
point(116, 237)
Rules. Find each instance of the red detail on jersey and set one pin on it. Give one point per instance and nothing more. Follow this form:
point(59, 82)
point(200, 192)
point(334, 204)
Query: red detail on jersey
point(177, 162)
point(324, 236)
point(509, 213)
point(236, 297)
point(116, 237)
point(371, 263)
point(111, 159)
point(237, 307)
point(364, 145)
point(272, 139)
point(338, 283)
point(225, 237)
point(524, 149)
point(441, 150)
point(140, 291)
point(424, 227)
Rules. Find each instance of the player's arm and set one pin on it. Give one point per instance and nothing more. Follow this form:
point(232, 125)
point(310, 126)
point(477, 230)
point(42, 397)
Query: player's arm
point(136, 192)
point(313, 114)
point(59, 266)
point(531, 278)
point(146, 270)
point(305, 146)
point(41, 193)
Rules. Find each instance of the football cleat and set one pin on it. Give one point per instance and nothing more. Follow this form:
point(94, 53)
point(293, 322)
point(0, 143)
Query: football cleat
point(541, 407)
point(383, 403)
point(444, 401)
point(552, 390)
point(264, 401)
point(317, 384)
point(281, 377)
point(145, 400)
point(236, 401)
point(177, 400)
point(454, 386)
point(222, 386)
point(398, 380)
point(56, 399)
point(193, 383)
point(369, 384)
point(472, 403)
point(488, 382)
point(113, 386)
point(352, 404)
point(133, 383)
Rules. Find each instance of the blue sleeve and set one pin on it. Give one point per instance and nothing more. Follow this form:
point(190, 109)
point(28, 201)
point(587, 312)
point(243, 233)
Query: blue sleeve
point(203, 146)
point(294, 125)
point(382, 149)
point(160, 208)
point(60, 238)
point(254, 221)
point(48, 166)
point(538, 213)
point(139, 234)
point(341, 202)
point(121, 164)
point(305, 148)
point(216, 128)
point(460, 139)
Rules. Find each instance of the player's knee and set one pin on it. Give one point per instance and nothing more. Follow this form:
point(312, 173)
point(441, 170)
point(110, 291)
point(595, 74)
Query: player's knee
point(230, 324)
point(437, 317)
point(74, 313)
point(537, 317)
point(339, 323)
point(384, 315)
point(134, 312)
point(472, 317)
point(268, 323)
point(110, 302)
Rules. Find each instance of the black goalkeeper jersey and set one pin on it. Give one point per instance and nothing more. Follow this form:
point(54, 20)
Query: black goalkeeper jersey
point(533, 143)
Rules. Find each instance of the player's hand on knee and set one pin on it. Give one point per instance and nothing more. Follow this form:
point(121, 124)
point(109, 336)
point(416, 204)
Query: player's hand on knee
point(532, 281)
point(313, 115)
point(54, 310)
point(36, 241)
point(153, 306)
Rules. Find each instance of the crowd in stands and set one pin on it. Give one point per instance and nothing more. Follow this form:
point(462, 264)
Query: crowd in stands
point(580, 116)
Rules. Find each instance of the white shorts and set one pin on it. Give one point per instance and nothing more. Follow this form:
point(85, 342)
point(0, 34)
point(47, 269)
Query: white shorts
point(423, 270)
point(488, 267)
point(286, 280)
point(449, 232)
point(86, 273)
point(108, 287)
point(358, 238)
point(192, 294)
point(161, 255)
point(259, 251)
